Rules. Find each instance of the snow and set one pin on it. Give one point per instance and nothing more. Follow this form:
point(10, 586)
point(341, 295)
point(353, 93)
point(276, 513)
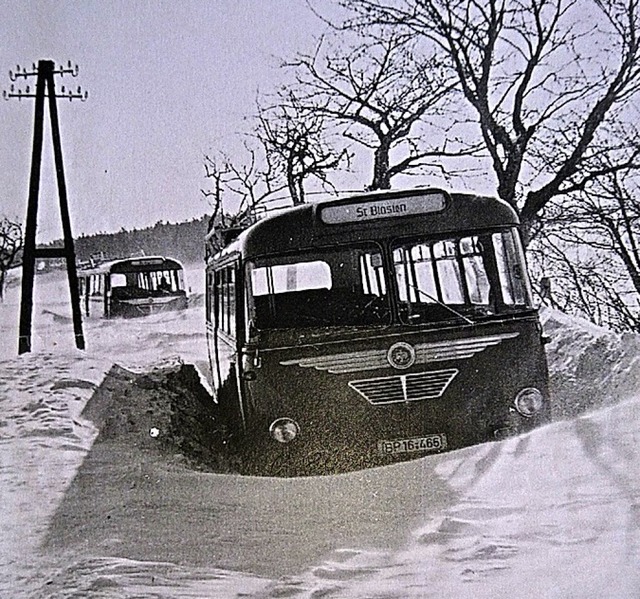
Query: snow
point(555, 513)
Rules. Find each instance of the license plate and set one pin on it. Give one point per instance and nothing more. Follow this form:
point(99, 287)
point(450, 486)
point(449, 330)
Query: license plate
point(429, 443)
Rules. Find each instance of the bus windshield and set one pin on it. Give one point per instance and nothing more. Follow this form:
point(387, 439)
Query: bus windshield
point(434, 280)
point(472, 275)
point(341, 286)
point(167, 280)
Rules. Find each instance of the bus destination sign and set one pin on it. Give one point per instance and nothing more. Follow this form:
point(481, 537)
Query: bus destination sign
point(146, 261)
point(383, 208)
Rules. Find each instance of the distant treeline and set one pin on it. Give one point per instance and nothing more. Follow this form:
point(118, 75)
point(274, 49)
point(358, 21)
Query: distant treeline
point(183, 241)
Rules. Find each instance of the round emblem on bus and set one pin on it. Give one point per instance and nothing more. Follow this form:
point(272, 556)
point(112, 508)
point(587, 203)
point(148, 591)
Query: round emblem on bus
point(401, 355)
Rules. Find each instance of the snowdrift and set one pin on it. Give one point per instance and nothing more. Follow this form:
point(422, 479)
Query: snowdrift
point(101, 511)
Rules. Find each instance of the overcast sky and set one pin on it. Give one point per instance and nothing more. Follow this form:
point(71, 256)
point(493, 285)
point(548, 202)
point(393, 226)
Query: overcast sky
point(168, 82)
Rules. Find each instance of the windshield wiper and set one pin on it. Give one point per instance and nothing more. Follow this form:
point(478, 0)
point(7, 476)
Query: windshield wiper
point(435, 299)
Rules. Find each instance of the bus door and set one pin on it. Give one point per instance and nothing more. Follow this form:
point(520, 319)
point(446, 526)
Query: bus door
point(227, 341)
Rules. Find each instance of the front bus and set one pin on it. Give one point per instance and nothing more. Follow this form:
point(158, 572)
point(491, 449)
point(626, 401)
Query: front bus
point(374, 329)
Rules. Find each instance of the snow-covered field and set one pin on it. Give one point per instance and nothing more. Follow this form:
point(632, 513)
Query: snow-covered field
point(555, 513)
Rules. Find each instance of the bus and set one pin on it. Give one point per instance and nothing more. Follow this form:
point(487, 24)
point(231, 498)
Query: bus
point(133, 287)
point(374, 329)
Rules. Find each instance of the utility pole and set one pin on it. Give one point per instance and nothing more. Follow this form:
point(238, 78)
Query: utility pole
point(45, 87)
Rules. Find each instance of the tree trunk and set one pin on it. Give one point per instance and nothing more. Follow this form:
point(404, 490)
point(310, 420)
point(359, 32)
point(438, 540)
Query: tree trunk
point(381, 179)
point(526, 229)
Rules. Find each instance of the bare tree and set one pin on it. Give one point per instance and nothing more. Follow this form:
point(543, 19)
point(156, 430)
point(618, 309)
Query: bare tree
point(592, 244)
point(287, 148)
point(11, 242)
point(605, 218)
point(378, 91)
point(585, 283)
point(295, 140)
point(241, 187)
point(549, 89)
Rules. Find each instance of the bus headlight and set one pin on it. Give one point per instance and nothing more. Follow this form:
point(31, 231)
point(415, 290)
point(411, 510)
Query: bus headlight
point(284, 430)
point(529, 402)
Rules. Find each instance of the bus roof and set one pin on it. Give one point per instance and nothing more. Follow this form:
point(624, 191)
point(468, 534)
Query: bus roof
point(138, 264)
point(370, 216)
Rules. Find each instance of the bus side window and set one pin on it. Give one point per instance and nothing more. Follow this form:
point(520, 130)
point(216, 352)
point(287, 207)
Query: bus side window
point(226, 304)
point(221, 311)
point(118, 280)
point(208, 297)
point(231, 301)
point(96, 284)
point(180, 280)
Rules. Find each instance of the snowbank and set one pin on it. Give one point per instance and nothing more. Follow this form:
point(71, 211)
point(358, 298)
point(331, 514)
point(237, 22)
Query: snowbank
point(553, 513)
point(589, 366)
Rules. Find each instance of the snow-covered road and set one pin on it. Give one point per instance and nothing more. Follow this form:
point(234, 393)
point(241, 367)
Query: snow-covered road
point(555, 513)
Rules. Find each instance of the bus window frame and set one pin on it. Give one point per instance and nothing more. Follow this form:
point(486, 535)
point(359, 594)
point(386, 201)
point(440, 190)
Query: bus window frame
point(219, 336)
point(490, 263)
point(457, 259)
point(216, 270)
point(315, 253)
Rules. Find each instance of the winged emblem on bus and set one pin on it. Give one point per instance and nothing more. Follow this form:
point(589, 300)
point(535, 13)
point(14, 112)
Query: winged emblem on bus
point(425, 353)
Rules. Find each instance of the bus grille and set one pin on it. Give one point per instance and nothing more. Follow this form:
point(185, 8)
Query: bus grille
point(406, 387)
point(426, 353)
